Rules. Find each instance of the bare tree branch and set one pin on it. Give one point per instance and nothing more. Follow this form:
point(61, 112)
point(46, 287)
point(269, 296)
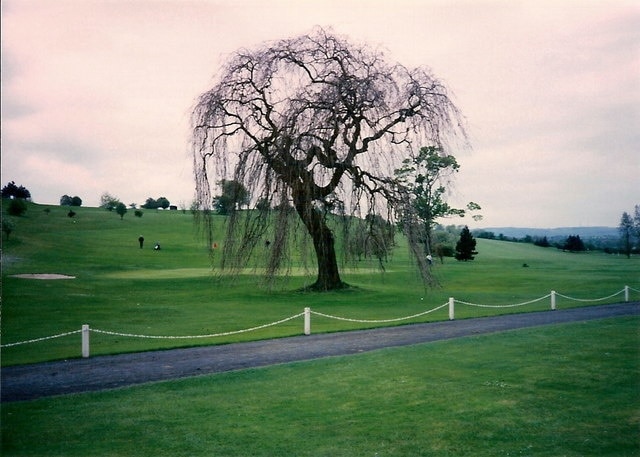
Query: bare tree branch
point(313, 120)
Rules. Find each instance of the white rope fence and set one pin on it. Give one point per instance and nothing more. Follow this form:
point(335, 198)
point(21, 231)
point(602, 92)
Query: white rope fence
point(588, 299)
point(85, 330)
point(505, 306)
point(378, 321)
point(40, 339)
point(187, 337)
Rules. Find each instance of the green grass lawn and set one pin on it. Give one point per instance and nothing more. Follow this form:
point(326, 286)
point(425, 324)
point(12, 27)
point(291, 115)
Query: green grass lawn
point(564, 390)
point(120, 287)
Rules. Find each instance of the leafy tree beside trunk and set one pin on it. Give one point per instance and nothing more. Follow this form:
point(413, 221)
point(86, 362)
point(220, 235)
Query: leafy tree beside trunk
point(315, 123)
point(426, 178)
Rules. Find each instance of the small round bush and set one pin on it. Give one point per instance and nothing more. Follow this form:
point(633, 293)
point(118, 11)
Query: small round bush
point(17, 207)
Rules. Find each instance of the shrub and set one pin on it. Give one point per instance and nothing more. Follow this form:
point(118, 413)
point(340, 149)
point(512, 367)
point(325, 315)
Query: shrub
point(17, 207)
point(7, 226)
point(466, 246)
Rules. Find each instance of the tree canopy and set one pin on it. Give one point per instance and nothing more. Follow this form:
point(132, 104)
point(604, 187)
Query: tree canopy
point(426, 177)
point(108, 201)
point(234, 196)
point(318, 124)
point(121, 209)
point(66, 200)
point(573, 243)
point(11, 190)
point(152, 203)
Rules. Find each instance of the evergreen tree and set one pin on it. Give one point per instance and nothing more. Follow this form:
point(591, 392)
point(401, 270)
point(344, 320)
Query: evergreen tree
point(466, 246)
point(542, 242)
point(626, 233)
point(574, 244)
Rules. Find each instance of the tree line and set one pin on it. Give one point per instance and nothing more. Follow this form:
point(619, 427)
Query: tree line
point(627, 243)
point(572, 243)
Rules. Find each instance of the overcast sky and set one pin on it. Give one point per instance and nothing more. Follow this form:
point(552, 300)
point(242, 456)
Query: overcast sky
point(96, 95)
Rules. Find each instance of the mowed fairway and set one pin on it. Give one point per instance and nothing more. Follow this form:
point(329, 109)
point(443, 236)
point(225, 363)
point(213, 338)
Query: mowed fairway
point(562, 390)
point(173, 292)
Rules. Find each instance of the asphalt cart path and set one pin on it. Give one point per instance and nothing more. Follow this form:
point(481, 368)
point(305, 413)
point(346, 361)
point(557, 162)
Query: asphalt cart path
point(28, 382)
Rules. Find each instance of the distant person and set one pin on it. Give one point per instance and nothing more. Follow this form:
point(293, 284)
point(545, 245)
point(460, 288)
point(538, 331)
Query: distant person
point(141, 241)
point(157, 247)
point(430, 259)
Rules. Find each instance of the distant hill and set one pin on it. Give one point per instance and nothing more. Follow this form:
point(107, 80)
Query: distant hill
point(583, 232)
point(594, 237)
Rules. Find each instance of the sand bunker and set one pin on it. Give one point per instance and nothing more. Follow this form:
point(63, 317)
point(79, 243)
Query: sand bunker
point(43, 276)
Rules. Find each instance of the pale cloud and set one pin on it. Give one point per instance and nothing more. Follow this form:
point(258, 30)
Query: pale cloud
point(551, 90)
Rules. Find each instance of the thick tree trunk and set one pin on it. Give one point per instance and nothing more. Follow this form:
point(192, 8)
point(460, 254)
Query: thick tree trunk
point(324, 245)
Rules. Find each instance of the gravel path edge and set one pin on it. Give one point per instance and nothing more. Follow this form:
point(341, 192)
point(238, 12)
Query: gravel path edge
point(29, 382)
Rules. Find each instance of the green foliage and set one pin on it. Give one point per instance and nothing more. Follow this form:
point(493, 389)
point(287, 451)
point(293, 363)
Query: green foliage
point(121, 287)
point(562, 390)
point(626, 229)
point(573, 244)
point(371, 238)
point(234, 196)
point(15, 207)
point(444, 250)
point(66, 200)
point(466, 246)
point(542, 242)
point(121, 209)
point(138, 213)
point(11, 190)
point(161, 202)
point(426, 178)
point(108, 201)
point(8, 226)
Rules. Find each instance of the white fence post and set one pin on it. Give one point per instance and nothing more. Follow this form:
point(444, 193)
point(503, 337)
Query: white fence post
point(626, 293)
point(85, 341)
point(307, 321)
point(553, 300)
point(451, 309)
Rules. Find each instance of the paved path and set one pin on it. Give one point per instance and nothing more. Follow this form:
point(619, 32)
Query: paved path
point(27, 382)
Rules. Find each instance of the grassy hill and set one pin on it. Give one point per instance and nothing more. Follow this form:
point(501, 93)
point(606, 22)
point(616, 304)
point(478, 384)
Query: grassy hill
point(120, 287)
point(560, 390)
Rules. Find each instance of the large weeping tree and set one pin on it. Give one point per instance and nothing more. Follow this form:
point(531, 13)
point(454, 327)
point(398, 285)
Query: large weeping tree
point(315, 123)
